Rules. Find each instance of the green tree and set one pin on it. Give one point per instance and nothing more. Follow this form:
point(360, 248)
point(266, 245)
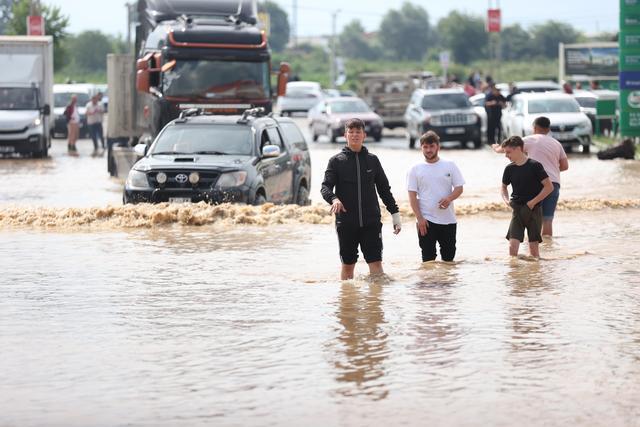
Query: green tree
point(405, 34)
point(545, 37)
point(354, 44)
point(516, 42)
point(464, 35)
point(87, 51)
point(55, 24)
point(5, 14)
point(278, 24)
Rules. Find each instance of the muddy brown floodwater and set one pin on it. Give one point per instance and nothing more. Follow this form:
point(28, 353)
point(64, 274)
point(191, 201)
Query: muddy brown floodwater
point(233, 315)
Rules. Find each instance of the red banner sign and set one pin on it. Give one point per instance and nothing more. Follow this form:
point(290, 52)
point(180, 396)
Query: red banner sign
point(493, 20)
point(35, 26)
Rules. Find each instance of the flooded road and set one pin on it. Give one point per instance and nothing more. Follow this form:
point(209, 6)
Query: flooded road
point(197, 315)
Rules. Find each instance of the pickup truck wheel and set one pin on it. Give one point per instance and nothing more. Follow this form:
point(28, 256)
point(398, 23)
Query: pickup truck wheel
point(259, 200)
point(302, 198)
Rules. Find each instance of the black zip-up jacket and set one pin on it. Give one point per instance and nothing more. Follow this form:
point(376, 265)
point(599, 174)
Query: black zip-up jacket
point(356, 176)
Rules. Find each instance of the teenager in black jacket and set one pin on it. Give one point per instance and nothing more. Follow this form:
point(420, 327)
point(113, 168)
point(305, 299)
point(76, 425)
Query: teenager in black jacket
point(356, 174)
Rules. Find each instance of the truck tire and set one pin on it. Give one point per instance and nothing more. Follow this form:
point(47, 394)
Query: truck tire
point(260, 199)
point(302, 198)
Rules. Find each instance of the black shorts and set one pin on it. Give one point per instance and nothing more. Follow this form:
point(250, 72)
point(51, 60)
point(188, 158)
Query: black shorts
point(523, 218)
point(368, 237)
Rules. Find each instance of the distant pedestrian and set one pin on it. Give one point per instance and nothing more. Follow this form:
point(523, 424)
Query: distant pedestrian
point(357, 177)
point(72, 116)
point(546, 150)
point(513, 91)
point(95, 114)
point(566, 87)
point(530, 184)
point(595, 85)
point(494, 102)
point(433, 185)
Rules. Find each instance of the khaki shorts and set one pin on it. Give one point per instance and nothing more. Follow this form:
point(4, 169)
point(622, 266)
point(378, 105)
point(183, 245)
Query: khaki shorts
point(524, 218)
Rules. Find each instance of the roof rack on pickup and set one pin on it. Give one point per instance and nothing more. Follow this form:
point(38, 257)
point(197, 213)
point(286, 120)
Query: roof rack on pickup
point(251, 112)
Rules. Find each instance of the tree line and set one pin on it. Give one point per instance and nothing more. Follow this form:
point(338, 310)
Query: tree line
point(404, 34)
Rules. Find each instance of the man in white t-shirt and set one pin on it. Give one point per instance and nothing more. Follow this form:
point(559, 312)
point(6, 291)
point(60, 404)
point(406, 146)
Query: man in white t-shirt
point(545, 149)
point(95, 113)
point(433, 185)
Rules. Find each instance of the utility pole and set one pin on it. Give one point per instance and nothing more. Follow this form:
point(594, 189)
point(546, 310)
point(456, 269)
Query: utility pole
point(294, 26)
point(129, 19)
point(332, 59)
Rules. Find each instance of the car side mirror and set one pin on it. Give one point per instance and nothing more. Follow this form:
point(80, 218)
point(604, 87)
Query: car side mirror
point(140, 149)
point(46, 110)
point(270, 151)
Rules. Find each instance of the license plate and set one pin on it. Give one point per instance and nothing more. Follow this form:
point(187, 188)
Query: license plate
point(562, 135)
point(7, 148)
point(454, 131)
point(179, 200)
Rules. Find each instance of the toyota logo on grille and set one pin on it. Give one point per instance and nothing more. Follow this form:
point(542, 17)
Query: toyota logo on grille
point(181, 178)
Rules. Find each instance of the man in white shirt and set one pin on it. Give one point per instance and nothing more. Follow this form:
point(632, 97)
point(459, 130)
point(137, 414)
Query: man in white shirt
point(433, 185)
point(545, 149)
point(95, 113)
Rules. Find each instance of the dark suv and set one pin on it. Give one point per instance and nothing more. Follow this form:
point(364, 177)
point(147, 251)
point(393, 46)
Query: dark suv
point(249, 159)
point(447, 112)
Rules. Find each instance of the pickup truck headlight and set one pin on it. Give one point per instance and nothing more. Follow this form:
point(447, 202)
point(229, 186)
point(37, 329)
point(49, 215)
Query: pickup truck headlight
point(37, 122)
point(231, 179)
point(137, 180)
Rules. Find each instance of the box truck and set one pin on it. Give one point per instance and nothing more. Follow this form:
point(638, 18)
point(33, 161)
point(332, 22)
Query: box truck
point(26, 94)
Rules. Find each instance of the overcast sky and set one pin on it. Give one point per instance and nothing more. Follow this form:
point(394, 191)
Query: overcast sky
point(314, 16)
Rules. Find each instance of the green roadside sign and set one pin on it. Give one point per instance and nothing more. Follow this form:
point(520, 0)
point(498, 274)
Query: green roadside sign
point(629, 67)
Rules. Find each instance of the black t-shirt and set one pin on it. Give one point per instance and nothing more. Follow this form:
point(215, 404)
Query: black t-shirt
point(495, 110)
point(526, 180)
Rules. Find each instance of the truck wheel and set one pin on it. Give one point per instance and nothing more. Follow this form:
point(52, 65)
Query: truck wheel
point(477, 143)
point(377, 137)
point(259, 200)
point(302, 198)
point(43, 151)
point(586, 148)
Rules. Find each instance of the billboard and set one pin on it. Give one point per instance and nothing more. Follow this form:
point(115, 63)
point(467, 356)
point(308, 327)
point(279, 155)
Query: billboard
point(591, 61)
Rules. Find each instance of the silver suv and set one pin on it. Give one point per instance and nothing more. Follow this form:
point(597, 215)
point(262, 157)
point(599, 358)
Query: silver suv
point(447, 112)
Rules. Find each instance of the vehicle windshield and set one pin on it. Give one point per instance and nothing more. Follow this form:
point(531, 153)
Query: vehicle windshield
point(537, 106)
point(349, 107)
point(217, 80)
point(587, 102)
point(64, 98)
point(445, 101)
point(302, 92)
point(18, 98)
point(204, 139)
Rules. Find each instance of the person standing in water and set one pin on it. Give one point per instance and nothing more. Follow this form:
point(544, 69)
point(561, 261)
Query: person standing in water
point(545, 149)
point(530, 184)
point(433, 185)
point(358, 177)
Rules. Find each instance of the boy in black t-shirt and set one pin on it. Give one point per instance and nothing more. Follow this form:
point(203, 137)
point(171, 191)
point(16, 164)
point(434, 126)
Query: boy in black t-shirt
point(530, 184)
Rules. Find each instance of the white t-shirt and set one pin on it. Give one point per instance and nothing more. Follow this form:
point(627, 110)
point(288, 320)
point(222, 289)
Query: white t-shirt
point(546, 150)
point(94, 113)
point(433, 182)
